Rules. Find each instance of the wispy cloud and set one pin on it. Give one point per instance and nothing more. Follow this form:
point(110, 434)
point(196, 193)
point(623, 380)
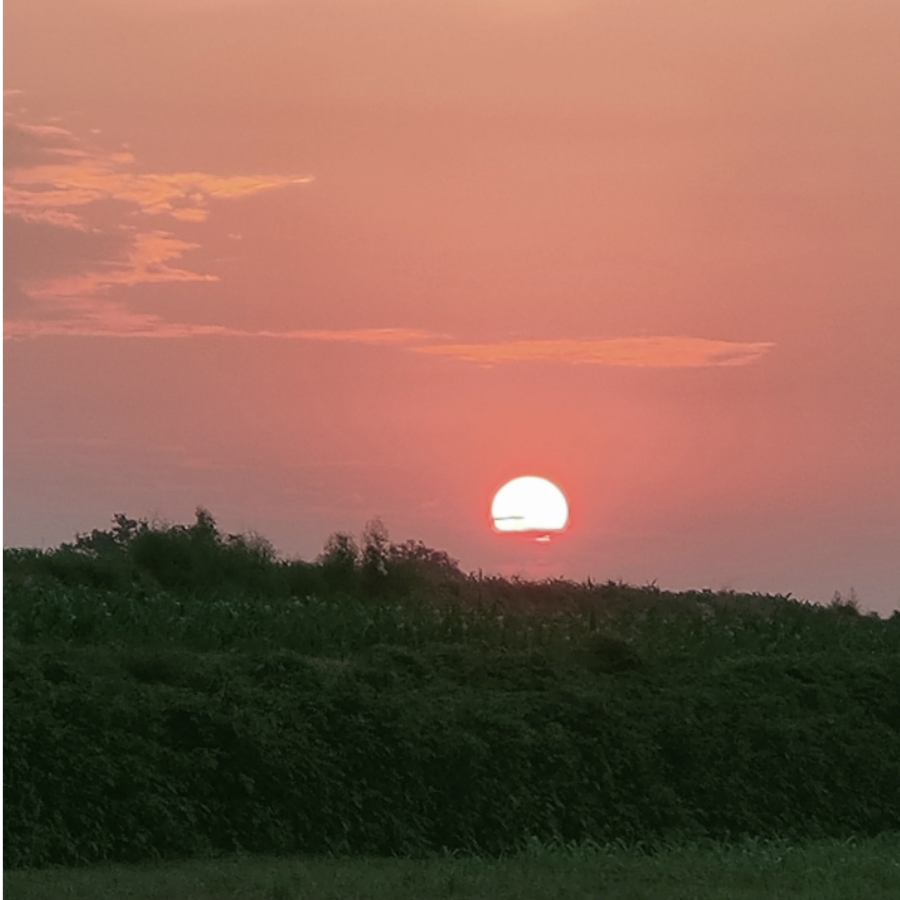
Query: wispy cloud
point(68, 185)
point(68, 174)
point(113, 320)
point(355, 335)
point(146, 261)
point(58, 185)
point(57, 181)
point(666, 351)
point(44, 130)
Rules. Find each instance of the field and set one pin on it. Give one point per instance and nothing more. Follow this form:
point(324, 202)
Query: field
point(823, 870)
point(378, 717)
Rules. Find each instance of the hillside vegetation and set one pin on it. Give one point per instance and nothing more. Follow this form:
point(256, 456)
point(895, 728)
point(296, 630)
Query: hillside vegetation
point(171, 691)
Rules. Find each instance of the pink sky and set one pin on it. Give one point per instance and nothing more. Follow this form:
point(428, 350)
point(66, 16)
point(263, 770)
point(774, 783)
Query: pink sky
point(307, 263)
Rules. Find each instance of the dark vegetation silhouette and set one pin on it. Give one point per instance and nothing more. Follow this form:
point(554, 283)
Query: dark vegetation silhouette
point(170, 690)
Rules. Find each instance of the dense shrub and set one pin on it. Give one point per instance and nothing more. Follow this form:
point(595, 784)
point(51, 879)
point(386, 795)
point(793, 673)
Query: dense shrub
point(125, 755)
point(172, 691)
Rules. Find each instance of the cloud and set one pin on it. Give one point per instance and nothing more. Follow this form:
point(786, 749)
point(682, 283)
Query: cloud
point(147, 261)
point(71, 266)
point(39, 253)
point(53, 175)
point(32, 192)
point(357, 335)
point(666, 351)
point(70, 260)
point(114, 320)
point(57, 185)
point(45, 130)
point(109, 319)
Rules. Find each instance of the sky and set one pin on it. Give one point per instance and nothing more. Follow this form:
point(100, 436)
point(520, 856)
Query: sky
point(309, 262)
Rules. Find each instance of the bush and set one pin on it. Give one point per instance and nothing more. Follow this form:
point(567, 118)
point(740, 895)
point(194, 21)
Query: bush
point(171, 690)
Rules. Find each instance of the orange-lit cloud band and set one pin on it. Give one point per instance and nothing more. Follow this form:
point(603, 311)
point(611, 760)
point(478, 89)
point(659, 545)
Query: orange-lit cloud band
point(60, 180)
point(146, 261)
point(113, 320)
point(65, 177)
point(110, 320)
point(666, 351)
point(78, 175)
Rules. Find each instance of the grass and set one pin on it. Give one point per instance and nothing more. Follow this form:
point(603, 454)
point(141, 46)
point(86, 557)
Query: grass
point(867, 869)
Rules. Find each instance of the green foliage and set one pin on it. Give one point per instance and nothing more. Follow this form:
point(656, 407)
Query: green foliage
point(135, 555)
point(125, 754)
point(749, 870)
point(171, 691)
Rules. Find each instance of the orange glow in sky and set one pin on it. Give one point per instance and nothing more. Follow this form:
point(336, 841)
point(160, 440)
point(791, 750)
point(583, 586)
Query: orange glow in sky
point(314, 262)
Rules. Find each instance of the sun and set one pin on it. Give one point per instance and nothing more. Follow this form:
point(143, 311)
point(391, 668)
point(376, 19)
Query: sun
point(531, 505)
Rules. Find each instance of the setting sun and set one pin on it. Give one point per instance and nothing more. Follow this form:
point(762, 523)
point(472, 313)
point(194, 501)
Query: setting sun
point(529, 504)
point(378, 259)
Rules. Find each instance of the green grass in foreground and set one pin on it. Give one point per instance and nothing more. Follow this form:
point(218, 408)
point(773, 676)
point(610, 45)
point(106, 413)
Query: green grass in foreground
point(867, 869)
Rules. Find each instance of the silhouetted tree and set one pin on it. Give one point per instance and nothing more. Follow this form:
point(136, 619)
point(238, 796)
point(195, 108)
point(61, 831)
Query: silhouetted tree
point(339, 560)
point(375, 556)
